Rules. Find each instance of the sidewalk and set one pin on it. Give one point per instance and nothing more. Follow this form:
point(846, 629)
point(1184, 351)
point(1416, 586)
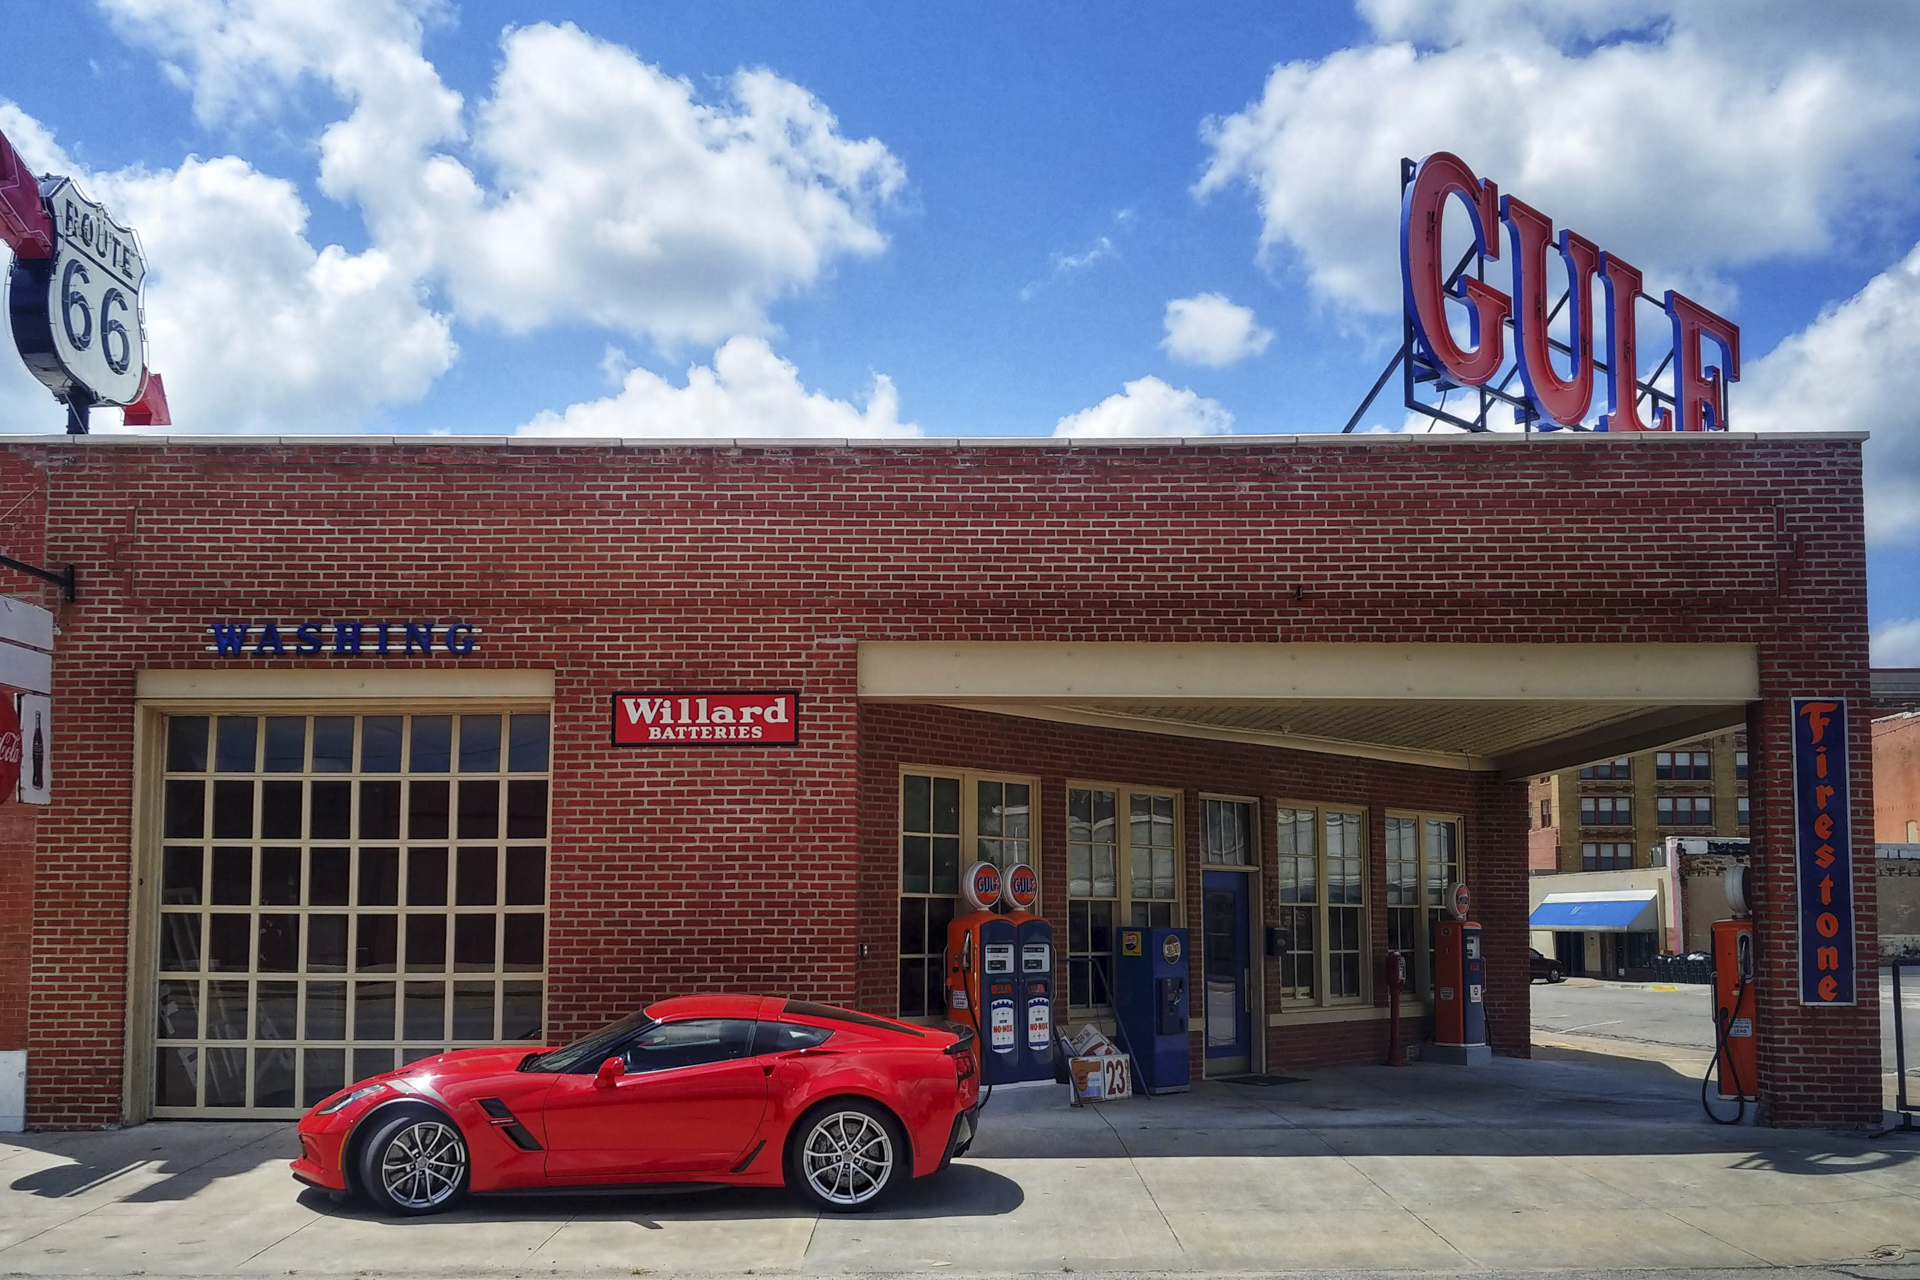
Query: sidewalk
point(1575, 1160)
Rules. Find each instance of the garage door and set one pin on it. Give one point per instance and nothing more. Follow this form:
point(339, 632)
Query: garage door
point(341, 894)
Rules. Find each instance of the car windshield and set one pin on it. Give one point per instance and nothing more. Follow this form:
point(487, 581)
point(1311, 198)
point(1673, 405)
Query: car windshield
point(589, 1049)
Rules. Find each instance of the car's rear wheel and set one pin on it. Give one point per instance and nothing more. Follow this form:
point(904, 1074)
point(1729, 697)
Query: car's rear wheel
point(847, 1155)
point(415, 1163)
point(1556, 976)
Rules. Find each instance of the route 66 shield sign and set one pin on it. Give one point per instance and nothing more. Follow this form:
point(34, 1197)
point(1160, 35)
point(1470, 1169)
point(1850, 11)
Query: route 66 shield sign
point(76, 317)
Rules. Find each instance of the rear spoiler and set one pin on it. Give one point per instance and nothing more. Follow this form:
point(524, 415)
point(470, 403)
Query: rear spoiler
point(964, 1043)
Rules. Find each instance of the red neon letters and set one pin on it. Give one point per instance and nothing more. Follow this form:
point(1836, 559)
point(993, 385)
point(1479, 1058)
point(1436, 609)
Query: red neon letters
point(1699, 389)
point(23, 218)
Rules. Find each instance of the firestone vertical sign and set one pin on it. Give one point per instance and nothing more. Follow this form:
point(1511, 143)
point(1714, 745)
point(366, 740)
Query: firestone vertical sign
point(1823, 850)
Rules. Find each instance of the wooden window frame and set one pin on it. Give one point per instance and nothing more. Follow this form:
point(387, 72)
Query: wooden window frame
point(1322, 908)
point(1123, 899)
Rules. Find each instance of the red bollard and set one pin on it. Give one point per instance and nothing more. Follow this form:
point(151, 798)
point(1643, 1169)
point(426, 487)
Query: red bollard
point(1396, 976)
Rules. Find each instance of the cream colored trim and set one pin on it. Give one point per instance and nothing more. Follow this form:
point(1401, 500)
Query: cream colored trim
point(1212, 733)
point(143, 897)
point(1345, 1013)
point(1637, 673)
point(278, 683)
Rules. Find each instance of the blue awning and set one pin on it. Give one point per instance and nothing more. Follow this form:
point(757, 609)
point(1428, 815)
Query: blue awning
point(1581, 914)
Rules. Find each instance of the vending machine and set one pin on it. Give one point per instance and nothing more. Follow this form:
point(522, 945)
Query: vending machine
point(1000, 975)
point(1150, 1003)
point(1459, 996)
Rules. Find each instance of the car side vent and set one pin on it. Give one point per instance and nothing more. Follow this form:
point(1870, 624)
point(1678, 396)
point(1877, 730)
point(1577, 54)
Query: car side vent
point(504, 1120)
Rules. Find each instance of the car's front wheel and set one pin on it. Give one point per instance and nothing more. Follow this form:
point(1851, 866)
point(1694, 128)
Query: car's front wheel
point(847, 1155)
point(415, 1163)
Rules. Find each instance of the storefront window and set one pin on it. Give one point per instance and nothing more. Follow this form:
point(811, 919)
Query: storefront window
point(1226, 833)
point(342, 894)
point(1099, 845)
point(941, 815)
point(1423, 863)
point(1322, 873)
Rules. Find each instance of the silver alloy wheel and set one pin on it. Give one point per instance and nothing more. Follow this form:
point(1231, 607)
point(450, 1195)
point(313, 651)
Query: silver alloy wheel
point(847, 1158)
point(423, 1164)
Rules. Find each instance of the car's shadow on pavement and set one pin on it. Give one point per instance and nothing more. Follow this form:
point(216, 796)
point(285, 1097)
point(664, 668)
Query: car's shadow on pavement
point(960, 1191)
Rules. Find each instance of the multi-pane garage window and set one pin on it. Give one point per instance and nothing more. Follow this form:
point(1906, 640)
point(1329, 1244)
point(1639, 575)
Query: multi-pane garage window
point(947, 822)
point(1123, 863)
point(1321, 865)
point(342, 894)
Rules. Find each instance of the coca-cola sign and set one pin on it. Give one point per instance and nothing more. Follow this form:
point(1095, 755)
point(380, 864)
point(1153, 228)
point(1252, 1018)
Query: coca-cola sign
point(706, 719)
point(12, 750)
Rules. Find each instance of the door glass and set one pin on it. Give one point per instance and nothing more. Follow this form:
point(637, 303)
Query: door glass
point(688, 1044)
point(1222, 969)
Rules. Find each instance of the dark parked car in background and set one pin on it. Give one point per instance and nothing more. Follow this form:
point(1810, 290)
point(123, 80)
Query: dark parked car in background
point(1538, 966)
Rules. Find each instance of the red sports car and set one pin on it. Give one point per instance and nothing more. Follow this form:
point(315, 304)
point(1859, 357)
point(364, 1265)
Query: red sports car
point(725, 1090)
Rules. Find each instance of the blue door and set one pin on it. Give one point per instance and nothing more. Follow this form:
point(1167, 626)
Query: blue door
point(1227, 964)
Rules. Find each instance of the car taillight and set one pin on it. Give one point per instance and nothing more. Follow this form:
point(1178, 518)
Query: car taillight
point(962, 1066)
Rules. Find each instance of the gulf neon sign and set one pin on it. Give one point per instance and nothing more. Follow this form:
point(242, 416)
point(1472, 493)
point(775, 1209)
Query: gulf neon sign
point(1699, 388)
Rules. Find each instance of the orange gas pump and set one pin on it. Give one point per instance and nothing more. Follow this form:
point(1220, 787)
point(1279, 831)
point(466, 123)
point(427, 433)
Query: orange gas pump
point(1000, 975)
point(1734, 1056)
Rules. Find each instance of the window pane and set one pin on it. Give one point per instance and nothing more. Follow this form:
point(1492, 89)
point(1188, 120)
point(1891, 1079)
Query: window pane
point(473, 943)
point(332, 812)
point(180, 876)
point(479, 744)
point(427, 808)
point(186, 810)
point(380, 810)
point(523, 942)
point(526, 810)
point(426, 877)
point(946, 806)
point(946, 864)
point(425, 1011)
point(233, 876)
point(916, 803)
point(329, 877)
point(520, 1011)
point(472, 1011)
point(480, 810)
point(526, 877)
point(373, 1010)
point(426, 943)
point(233, 809)
point(380, 744)
point(234, 749)
point(527, 742)
point(179, 942)
point(379, 877)
point(326, 1011)
point(274, 1005)
point(286, 744)
point(333, 744)
point(186, 744)
point(325, 1073)
point(178, 1007)
point(475, 882)
point(432, 746)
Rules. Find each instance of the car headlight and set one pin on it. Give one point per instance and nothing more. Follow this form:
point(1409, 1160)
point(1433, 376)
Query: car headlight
point(348, 1098)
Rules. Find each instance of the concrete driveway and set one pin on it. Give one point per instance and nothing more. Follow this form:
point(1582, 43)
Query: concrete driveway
point(1571, 1161)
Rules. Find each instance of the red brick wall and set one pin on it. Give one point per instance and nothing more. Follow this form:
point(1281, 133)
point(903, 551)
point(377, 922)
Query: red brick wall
point(742, 567)
point(1896, 768)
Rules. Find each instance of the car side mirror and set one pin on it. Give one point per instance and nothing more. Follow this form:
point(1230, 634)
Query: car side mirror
point(610, 1070)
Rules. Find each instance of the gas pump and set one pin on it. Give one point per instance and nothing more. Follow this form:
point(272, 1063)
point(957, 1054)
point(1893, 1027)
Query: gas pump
point(1734, 1055)
point(1150, 1002)
point(1000, 975)
point(1459, 990)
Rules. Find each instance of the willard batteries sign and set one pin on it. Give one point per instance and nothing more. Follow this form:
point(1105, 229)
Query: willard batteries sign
point(706, 719)
point(1823, 850)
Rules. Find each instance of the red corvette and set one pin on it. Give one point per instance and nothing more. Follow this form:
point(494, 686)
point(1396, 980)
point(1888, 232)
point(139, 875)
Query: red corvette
point(725, 1090)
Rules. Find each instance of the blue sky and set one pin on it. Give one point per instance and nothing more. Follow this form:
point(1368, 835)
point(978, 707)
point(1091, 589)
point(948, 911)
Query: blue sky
point(395, 215)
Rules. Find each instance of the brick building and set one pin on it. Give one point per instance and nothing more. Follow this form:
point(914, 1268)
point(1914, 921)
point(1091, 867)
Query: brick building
point(1309, 674)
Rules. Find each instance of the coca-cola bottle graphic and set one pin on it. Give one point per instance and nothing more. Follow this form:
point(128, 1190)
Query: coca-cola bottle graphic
point(39, 755)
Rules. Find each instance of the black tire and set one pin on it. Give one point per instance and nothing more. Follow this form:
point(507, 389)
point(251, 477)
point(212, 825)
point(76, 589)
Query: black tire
point(415, 1163)
point(1556, 976)
point(847, 1155)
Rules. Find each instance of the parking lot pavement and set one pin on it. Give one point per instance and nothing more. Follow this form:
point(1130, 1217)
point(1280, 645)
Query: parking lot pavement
point(1578, 1161)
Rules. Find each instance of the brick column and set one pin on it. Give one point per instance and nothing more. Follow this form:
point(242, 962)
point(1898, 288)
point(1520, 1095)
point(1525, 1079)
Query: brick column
point(1496, 872)
point(1819, 1067)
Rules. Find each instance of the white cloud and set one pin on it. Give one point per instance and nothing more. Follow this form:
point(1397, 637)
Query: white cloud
point(1066, 264)
point(1896, 644)
point(597, 189)
point(748, 391)
point(1855, 368)
point(1208, 329)
point(1149, 407)
point(1687, 137)
point(251, 325)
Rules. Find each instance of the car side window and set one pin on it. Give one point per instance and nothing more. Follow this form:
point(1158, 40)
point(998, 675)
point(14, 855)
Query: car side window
point(784, 1037)
point(689, 1044)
